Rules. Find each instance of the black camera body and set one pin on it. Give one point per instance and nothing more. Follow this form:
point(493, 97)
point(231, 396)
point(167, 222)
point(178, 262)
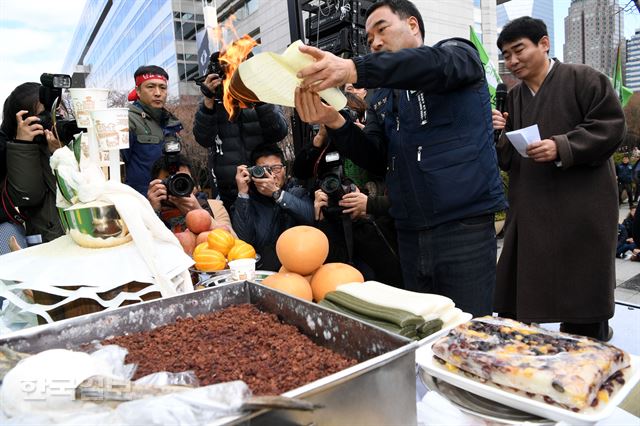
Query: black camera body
point(334, 184)
point(214, 67)
point(355, 115)
point(178, 184)
point(50, 96)
point(258, 171)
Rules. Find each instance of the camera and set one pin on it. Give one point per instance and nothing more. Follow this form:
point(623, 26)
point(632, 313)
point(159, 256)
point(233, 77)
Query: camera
point(214, 67)
point(178, 184)
point(50, 96)
point(334, 184)
point(355, 115)
point(258, 171)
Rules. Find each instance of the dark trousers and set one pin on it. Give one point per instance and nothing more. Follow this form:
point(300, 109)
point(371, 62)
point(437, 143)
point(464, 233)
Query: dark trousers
point(456, 259)
point(625, 187)
point(596, 330)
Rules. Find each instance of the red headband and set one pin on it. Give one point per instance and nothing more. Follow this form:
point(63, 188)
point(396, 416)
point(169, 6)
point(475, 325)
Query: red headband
point(133, 95)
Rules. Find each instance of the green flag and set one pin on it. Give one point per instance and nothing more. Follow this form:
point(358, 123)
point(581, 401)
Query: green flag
point(492, 75)
point(624, 93)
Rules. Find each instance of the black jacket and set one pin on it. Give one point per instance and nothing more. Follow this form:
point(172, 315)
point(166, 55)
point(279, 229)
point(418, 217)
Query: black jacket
point(230, 143)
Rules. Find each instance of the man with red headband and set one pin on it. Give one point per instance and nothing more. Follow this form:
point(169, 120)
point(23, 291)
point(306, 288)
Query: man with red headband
point(151, 126)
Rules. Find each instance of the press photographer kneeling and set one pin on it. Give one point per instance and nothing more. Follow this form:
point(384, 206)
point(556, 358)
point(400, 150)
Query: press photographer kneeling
point(268, 203)
point(173, 193)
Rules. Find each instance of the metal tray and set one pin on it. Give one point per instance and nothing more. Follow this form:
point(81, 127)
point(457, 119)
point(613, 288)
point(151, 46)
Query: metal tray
point(380, 389)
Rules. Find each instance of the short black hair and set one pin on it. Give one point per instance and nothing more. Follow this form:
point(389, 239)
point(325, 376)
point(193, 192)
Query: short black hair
point(160, 164)
point(264, 150)
point(403, 8)
point(151, 69)
point(524, 27)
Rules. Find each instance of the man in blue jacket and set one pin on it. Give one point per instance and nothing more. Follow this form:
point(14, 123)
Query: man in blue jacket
point(429, 129)
point(267, 204)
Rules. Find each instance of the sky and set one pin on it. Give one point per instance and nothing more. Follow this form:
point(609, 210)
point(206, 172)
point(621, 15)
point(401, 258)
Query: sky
point(35, 36)
point(34, 39)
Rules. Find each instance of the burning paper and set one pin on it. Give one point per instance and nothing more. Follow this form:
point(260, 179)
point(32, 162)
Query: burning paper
point(271, 78)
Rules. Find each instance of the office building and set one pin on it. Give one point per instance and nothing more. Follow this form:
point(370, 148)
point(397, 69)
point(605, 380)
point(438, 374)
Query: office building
point(593, 30)
point(632, 77)
point(540, 9)
point(115, 37)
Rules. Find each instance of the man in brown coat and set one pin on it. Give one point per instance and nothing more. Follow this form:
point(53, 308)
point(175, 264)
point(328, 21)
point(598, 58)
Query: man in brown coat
point(557, 263)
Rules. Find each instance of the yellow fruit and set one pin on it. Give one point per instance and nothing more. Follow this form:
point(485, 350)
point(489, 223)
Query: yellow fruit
point(220, 240)
point(330, 275)
point(209, 260)
point(200, 247)
point(241, 250)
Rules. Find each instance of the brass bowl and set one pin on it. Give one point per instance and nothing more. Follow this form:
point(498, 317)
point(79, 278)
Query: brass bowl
point(95, 225)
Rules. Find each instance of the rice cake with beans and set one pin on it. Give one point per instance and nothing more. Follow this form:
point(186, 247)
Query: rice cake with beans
point(570, 371)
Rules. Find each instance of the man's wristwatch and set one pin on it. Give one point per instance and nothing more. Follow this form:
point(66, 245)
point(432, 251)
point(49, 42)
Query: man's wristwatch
point(276, 194)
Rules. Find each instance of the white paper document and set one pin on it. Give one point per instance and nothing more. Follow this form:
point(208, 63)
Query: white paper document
point(522, 138)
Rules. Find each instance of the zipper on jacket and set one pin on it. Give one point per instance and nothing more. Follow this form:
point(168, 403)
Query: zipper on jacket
point(419, 153)
point(397, 123)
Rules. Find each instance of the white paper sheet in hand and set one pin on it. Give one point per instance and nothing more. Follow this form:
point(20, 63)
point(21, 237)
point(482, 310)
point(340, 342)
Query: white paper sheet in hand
point(522, 138)
point(272, 77)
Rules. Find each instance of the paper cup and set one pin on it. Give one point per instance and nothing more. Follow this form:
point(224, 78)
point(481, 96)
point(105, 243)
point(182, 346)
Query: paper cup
point(112, 128)
point(86, 100)
point(243, 269)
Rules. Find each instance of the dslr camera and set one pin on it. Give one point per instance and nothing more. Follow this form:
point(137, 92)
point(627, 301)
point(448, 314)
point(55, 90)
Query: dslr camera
point(214, 67)
point(334, 184)
point(258, 171)
point(50, 96)
point(178, 184)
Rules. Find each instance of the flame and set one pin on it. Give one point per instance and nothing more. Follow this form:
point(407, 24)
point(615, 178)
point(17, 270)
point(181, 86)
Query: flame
point(235, 53)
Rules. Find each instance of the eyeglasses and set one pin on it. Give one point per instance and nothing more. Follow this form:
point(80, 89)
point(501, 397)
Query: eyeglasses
point(276, 168)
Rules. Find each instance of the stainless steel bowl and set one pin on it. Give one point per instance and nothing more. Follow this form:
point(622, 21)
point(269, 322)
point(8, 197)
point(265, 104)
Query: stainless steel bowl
point(95, 225)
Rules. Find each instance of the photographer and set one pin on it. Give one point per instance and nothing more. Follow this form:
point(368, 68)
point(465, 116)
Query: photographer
point(358, 226)
point(230, 142)
point(150, 125)
point(30, 183)
point(173, 198)
point(268, 204)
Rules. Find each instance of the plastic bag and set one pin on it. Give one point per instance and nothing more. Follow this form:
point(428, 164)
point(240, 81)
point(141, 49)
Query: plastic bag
point(192, 406)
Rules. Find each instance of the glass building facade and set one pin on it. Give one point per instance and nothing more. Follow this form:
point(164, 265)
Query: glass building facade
point(632, 80)
point(115, 37)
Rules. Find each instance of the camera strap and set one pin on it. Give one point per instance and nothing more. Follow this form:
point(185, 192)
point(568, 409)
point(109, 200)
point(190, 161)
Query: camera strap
point(347, 227)
point(9, 209)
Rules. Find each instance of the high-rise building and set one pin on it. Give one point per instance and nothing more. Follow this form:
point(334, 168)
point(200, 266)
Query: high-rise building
point(632, 80)
point(115, 37)
point(593, 30)
point(539, 9)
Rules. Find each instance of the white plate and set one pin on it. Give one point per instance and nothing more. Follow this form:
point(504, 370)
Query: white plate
point(424, 358)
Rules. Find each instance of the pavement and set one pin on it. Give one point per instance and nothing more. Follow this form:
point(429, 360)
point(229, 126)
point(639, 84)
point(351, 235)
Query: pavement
point(627, 272)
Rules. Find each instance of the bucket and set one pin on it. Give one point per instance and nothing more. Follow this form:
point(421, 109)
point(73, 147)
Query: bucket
point(112, 128)
point(86, 100)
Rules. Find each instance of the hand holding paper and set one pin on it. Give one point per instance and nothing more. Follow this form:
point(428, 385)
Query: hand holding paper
point(522, 138)
point(272, 78)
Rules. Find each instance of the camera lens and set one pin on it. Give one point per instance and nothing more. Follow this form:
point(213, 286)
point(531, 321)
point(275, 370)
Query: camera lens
point(180, 185)
point(257, 171)
point(330, 184)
